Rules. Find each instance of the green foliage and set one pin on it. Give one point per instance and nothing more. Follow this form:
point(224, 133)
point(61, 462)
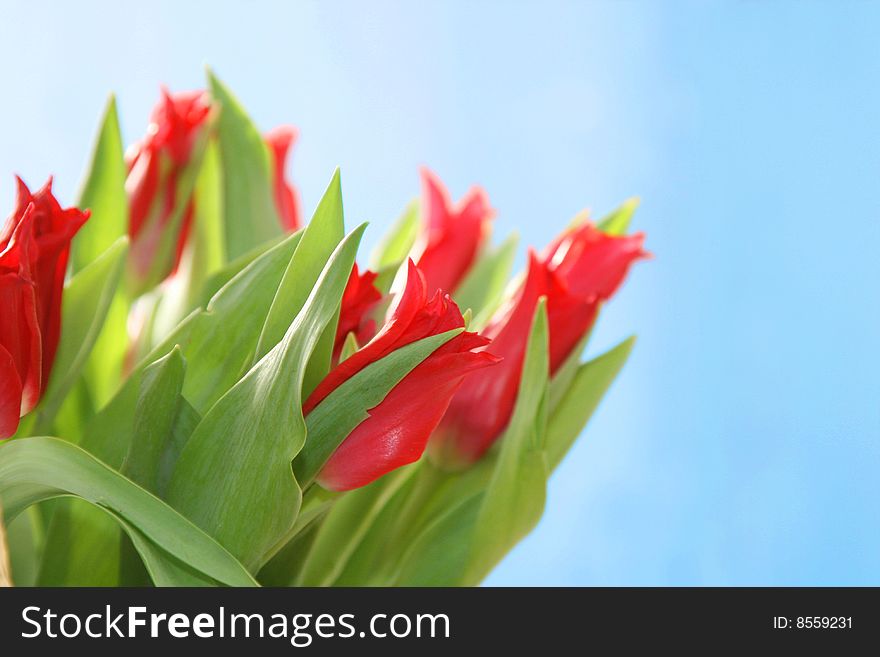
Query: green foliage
point(103, 193)
point(36, 469)
point(87, 299)
point(233, 477)
point(249, 214)
point(184, 458)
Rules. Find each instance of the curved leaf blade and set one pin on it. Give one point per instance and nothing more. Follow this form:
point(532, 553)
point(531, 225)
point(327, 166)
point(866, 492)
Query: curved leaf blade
point(234, 477)
point(41, 468)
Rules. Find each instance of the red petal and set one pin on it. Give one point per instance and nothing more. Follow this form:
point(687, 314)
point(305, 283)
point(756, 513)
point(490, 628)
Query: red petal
point(403, 327)
point(451, 237)
point(591, 262)
point(10, 394)
point(20, 334)
point(398, 428)
point(359, 297)
point(155, 166)
point(279, 141)
point(53, 229)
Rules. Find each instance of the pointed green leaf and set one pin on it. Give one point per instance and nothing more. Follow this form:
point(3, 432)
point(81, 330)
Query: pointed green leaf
point(581, 399)
point(349, 404)
point(103, 192)
point(233, 477)
point(154, 417)
point(564, 375)
point(227, 272)
point(37, 469)
point(319, 239)
point(348, 347)
point(208, 240)
point(87, 299)
point(396, 244)
point(84, 541)
point(250, 216)
point(224, 338)
point(617, 223)
point(514, 500)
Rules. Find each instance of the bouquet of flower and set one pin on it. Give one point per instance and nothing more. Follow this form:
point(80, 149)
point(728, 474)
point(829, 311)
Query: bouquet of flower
point(197, 387)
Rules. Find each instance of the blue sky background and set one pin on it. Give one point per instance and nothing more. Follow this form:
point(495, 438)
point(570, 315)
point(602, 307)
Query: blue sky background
point(740, 445)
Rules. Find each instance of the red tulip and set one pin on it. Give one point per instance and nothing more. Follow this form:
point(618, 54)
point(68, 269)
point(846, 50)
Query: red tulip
point(34, 249)
point(397, 430)
point(359, 297)
point(279, 141)
point(580, 269)
point(155, 166)
point(452, 236)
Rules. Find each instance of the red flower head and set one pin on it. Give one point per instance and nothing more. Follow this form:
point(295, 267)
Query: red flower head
point(279, 141)
point(359, 297)
point(451, 236)
point(155, 166)
point(580, 269)
point(34, 248)
point(397, 430)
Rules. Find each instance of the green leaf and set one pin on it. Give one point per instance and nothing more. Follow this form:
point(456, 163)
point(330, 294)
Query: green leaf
point(466, 524)
point(441, 552)
point(233, 477)
point(85, 542)
point(377, 558)
point(396, 244)
point(40, 468)
point(483, 287)
point(319, 239)
point(104, 369)
point(345, 527)
point(564, 375)
point(250, 216)
point(25, 542)
point(151, 447)
point(87, 299)
point(348, 405)
point(103, 192)
point(514, 500)
point(82, 546)
point(224, 338)
point(226, 273)
point(617, 222)
point(154, 418)
point(348, 347)
point(282, 568)
point(581, 399)
point(208, 239)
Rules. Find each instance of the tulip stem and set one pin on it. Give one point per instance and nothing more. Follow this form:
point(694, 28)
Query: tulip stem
point(427, 478)
point(316, 502)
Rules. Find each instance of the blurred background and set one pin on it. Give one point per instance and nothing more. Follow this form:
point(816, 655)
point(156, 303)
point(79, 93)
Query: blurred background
point(741, 444)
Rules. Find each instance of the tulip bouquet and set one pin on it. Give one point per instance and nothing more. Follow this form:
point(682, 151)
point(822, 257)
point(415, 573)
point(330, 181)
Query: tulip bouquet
point(198, 387)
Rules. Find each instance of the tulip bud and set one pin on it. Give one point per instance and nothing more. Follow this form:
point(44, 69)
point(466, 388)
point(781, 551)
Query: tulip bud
point(359, 297)
point(578, 271)
point(34, 249)
point(397, 430)
point(451, 236)
point(156, 166)
point(279, 142)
